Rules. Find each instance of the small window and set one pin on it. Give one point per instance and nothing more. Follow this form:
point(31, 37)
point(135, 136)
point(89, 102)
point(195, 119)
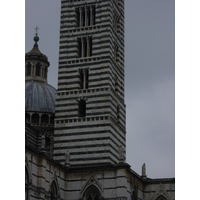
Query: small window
point(83, 73)
point(29, 69)
point(85, 16)
point(38, 69)
point(82, 108)
point(35, 118)
point(47, 141)
point(84, 45)
point(45, 119)
point(43, 72)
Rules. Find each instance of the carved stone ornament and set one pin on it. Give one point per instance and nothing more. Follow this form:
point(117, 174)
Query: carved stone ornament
point(92, 180)
point(160, 191)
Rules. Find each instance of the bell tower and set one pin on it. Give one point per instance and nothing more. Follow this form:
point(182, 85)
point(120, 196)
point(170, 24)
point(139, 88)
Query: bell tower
point(90, 114)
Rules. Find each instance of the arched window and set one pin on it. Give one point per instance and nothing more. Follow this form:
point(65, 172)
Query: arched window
point(92, 193)
point(54, 192)
point(134, 196)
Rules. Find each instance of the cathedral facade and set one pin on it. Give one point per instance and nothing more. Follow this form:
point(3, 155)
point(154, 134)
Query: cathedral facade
point(76, 135)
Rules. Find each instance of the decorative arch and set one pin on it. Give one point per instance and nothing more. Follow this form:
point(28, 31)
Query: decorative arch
point(161, 197)
point(161, 194)
point(92, 193)
point(134, 195)
point(53, 191)
point(92, 189)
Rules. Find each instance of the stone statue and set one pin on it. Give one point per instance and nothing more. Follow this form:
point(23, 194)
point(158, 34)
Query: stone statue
point(67, 158)
point(43, 142)
point(121, 153)
point(144, 170)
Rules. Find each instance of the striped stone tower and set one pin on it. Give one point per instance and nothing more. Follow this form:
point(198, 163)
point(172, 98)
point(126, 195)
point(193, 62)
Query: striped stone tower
point(90, 116)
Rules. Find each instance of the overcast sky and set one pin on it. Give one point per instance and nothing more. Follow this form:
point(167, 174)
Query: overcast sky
point(149, 76)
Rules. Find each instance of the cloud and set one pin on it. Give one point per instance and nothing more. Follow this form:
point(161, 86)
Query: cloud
point(151, 128)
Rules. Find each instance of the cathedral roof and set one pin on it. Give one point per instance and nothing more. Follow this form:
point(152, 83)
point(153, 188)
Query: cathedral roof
point(39, 97)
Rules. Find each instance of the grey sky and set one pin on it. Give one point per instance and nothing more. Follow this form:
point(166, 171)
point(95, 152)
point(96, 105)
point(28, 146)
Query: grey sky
point(149, 76)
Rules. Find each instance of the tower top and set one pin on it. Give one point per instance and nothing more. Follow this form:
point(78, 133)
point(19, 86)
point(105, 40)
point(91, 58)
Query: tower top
point(36, 38)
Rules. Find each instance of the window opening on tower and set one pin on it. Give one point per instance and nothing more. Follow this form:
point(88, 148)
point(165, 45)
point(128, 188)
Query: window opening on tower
point(82, 108)
point(84, 47)
point(83, 73)
point(85, 16)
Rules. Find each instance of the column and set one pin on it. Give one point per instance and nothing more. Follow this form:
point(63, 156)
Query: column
point(32, 70)
point(26, 70)
point(40, 71)
point(81, 17)
point(84, 78)
point(91, 15)
point(51, 145)
point(40, 117)
point(88, 46)
point(86, 18)
point(82, 47)
point(30, 117)
point(49, 115)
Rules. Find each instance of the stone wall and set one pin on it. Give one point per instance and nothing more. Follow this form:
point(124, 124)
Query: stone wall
point(111, 181)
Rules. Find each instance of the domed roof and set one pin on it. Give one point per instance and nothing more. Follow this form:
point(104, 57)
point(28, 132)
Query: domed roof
point(36, 54)
point(39, 97)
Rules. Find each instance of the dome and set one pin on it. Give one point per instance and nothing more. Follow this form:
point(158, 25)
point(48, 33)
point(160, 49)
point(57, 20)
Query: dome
point(36, 54)
point(39, 97)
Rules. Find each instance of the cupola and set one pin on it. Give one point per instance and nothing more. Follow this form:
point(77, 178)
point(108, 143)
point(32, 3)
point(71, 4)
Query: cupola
point(39, 97)
point(36, 63)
